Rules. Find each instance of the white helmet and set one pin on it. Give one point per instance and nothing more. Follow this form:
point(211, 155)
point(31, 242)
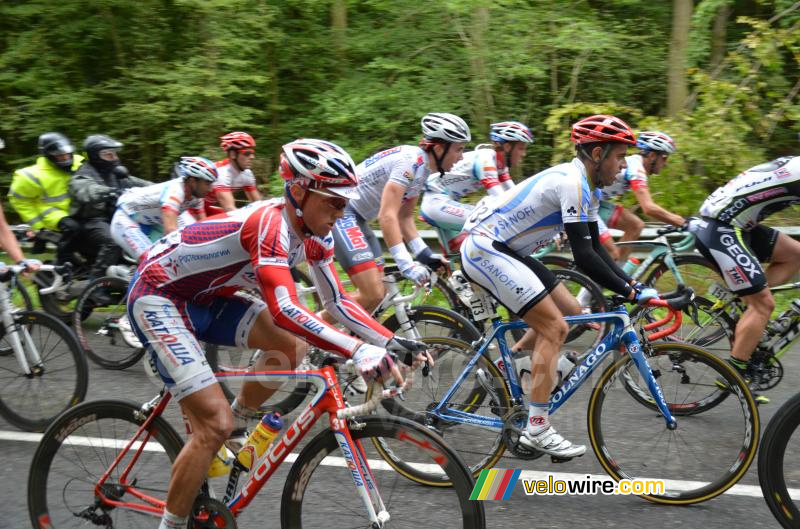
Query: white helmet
point(445, 127)
point(510, 131)
point(656, 141)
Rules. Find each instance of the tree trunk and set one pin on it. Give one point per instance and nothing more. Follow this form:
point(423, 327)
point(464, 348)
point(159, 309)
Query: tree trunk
point(718, 34)
point(676, 77)
point(339, 27)
point(483, 102)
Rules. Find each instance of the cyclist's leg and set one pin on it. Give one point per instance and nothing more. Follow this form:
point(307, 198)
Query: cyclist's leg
point(524, 285)
point(631, 225)
point(727, 248)
point(358, 251)
point(163, 324)
point(128, 235)
point(97, 232)
point(784, 256)
point(448, 216)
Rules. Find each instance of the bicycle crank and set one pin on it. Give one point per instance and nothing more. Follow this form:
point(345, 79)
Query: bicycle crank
point(513, 429)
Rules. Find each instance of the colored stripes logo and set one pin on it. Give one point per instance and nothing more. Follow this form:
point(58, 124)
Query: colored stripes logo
point(495, 484)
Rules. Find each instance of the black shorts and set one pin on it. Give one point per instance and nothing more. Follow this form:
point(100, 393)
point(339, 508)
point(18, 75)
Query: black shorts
point(737, 253)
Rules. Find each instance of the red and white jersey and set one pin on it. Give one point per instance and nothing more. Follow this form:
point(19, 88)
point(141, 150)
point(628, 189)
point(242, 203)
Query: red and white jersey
point(145, 204)
point(479, 170)
point(230, 179)
point(633, 176)
point(254, 247)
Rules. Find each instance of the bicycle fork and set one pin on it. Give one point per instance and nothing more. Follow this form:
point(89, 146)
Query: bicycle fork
point(363, 479)
point(27, 355)
point(634, 350)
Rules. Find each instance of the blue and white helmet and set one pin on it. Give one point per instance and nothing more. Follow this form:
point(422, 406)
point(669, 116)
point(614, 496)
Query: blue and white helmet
point(510, 131)
point(656, 141)
point(197, 167)
point(441, 126)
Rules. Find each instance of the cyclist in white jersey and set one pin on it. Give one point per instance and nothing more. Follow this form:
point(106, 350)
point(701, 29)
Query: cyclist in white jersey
point(184, 291)
point(390, 183)
point(145, 214)
point(486, 168)
point(654, 150)
point(731, 236)
point(505, 230)
point(234, 173)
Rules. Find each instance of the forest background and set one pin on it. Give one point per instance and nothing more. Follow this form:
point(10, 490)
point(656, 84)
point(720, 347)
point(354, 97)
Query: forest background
point(167, 77)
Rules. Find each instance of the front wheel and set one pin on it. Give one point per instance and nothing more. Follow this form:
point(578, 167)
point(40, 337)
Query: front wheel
point(777, 464)
point(320, 491)
point(30, 401)
point(79, 448)
point(704, 456)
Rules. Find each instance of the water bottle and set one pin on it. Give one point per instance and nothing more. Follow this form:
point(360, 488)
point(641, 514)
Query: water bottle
point(259, 440)
point(221, 464)
point(630, 265)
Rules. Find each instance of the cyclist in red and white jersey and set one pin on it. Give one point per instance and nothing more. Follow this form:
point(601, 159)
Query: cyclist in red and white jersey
point(731, 235)
point(183, 293)
point(487, 168)
point(234, 173)
point(654, 150)
point(144, 214)
point(504, 231)
point(390, 183)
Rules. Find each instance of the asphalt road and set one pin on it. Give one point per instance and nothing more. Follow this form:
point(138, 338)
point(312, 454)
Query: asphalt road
point(742, 507)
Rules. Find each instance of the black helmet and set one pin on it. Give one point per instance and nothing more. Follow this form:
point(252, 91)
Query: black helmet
point(52, 144)
point(98, 142)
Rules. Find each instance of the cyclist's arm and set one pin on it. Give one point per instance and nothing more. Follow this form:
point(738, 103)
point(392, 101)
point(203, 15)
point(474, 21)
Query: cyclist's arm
point(389, 213)
point(170, 219)
point(485, 169)
point(252, 194)
point(8, 241)
point(278, 289)
point(225, 199)
point(592, 258)
point(25, 197)
point(342, 307)
point(406, 219)
point(506, 182)
point(651, 209)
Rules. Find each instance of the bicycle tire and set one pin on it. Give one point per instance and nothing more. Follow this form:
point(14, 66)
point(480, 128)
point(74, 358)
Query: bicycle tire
point(698, 273)
point(450, 357)
point(458, 326)
point(61, 384)
point(771, 459)
point(79, 447)
point(557, 262)
point(618, 446)
point(53, 303)
point(594, 302)
point(27, 306)
point(406, 437)
point(103, 330)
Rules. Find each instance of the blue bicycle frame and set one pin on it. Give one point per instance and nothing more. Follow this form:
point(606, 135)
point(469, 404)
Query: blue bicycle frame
point(621, 332)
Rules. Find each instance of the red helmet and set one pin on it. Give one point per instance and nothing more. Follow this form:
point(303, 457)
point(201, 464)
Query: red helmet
point(236, 141)
point(602, 129)
point(321, 164)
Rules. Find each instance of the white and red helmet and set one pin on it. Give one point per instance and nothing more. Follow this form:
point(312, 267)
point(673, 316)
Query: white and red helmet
point(197, 167)
point(233, 141)
point(510, 131)
point(656, 141)
point(319, 164)
point(602, 128)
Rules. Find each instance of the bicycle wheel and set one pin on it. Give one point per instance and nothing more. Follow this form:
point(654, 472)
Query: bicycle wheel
point(31, 402)
point(21, 302)
point(430, 320)
point(483, 392)
point(326, 481)
point(79, 448)
point(58, 304)
point(695, 270)
point(557, 262)
point(778, 471)
point(633, 442)
point(591, 299)
point(104, 331)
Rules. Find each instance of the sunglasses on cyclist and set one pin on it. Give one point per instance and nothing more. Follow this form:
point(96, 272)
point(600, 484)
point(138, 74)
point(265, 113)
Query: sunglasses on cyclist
point(247, 152)
point(337, 202)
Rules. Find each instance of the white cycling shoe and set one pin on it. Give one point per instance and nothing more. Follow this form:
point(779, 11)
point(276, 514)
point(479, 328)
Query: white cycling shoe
point(550, 442)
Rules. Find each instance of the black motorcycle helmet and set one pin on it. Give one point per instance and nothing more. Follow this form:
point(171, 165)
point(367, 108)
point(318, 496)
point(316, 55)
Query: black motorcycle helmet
point(98, 142)
point(52, 144)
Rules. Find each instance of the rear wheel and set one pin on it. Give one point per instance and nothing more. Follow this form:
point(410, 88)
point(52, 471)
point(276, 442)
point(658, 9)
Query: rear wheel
point(777, 464)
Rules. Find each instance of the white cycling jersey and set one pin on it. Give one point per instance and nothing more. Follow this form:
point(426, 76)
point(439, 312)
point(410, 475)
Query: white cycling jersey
point(756, 193)
point(405, 165)
point(632, 177)
point(476, 171)
point(230, 179)
point(529, 215)
point(144, 204)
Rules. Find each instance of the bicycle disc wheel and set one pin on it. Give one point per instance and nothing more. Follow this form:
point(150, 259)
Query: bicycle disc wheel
point(430, 320)
point(695, 270)
point(483, 392)
point(104, 331)
point(633, 442)
point(31, 402)
point(75, 452)
point(319, 490)
point(778, 471)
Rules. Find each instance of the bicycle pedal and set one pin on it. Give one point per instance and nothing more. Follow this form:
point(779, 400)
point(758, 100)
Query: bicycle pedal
point(556, 459)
